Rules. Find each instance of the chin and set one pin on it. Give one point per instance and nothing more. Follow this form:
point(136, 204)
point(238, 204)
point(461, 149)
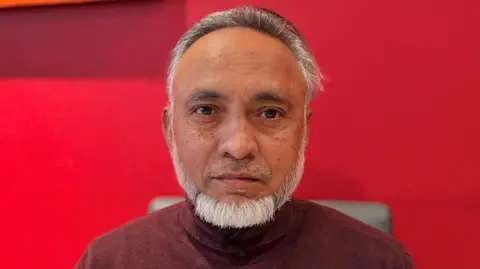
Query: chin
point(233, 199)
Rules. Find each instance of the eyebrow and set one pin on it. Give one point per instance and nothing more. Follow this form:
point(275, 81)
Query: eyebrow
point(270, 96)
point(263, 96)
point(204, 94)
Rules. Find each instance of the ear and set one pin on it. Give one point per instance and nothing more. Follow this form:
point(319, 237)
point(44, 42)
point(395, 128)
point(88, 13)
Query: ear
point(309, 113)
point(167, 126)
point(308, 116)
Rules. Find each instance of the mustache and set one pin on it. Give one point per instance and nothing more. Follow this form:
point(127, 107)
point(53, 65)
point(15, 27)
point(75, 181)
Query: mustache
point(240, 168)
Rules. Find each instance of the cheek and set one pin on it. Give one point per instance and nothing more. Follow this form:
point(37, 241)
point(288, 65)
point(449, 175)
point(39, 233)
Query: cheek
point(194, 148)
point(281, 152)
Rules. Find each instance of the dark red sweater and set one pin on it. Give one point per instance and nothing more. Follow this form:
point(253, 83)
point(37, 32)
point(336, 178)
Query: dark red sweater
point(304, 235)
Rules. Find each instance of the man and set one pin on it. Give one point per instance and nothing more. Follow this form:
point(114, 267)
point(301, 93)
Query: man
point(239, 87)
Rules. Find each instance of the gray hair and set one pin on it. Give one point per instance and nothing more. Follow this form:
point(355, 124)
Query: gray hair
point(258, 19)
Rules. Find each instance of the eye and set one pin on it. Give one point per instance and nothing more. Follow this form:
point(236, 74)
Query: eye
point(270, 113)
point(205, 110)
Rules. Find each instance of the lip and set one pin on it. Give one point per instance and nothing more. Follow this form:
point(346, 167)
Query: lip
point(238, 181)
point(240, 177)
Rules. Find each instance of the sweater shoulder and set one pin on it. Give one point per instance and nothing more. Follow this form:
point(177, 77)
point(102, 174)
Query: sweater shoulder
point(153, 229)
point(350, 235)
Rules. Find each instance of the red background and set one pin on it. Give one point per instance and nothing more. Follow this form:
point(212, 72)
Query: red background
point(81, 92)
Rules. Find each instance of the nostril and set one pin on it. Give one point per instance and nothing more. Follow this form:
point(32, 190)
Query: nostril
point(248, 157)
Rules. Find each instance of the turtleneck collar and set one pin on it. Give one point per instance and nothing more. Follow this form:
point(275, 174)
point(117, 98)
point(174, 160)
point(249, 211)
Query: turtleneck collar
point(239, 242)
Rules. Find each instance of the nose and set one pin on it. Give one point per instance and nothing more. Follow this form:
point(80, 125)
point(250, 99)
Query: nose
point(238, 139)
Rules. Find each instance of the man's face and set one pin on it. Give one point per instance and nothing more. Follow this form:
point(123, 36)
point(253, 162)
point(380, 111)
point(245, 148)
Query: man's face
point(239, 115)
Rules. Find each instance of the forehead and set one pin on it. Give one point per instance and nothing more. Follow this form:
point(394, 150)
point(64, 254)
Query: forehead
point(238, 60)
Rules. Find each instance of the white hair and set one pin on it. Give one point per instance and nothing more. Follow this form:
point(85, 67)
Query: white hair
point(258, 19)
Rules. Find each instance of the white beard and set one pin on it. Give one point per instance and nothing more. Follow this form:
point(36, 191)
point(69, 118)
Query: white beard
point(245, 214)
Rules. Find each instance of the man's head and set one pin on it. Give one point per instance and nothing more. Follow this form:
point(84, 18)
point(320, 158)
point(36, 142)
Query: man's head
point(239, 88)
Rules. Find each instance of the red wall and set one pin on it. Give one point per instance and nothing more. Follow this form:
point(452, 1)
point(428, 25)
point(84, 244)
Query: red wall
point(81, 149)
